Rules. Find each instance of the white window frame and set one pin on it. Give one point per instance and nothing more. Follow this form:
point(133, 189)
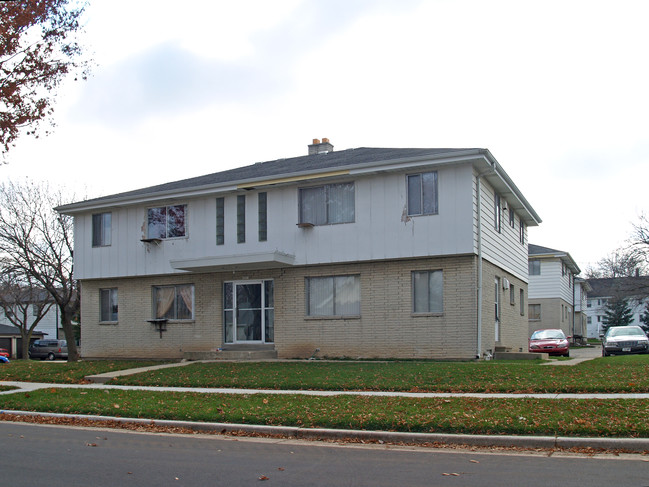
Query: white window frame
point(337, 307)
point(427, 196)
point(111, 306)
point(434, 291)
point(169, 230)
point(175, 304)
point(101, 229)
point(325, 215)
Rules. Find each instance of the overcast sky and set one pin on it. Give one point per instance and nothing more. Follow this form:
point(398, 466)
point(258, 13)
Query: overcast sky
point(556, 90)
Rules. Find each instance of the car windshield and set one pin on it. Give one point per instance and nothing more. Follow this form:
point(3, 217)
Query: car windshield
point(617, 331)
point(548, 334)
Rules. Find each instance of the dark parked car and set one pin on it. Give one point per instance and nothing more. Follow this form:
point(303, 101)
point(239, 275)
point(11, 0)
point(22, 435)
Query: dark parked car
point(49, 349)
point(550, 341)
point(624, 339)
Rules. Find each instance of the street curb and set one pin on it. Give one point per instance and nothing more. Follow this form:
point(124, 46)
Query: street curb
point(635, 445)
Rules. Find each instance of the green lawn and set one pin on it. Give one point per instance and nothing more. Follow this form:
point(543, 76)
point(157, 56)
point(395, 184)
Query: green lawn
point(580, 417)
point(612, 374)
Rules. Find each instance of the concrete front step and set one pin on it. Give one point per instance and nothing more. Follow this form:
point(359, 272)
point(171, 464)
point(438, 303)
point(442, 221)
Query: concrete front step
point(232, 354)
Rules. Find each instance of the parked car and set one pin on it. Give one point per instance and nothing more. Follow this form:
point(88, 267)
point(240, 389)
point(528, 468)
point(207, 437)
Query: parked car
point(3, 359)
point(624, 339)
point(4, 353)
point(550, 341)
point(49, 349)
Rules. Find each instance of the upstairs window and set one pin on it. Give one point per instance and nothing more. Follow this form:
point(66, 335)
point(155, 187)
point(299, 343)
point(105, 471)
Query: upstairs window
point(166, 221)
point(521, 232)
point(220, 221)
point(498, 213)
point(512, 218)
point(241, 218)
point(534, 267)
point(262, 207)
point(329, 204)
point(101, 229)
point(422, 194)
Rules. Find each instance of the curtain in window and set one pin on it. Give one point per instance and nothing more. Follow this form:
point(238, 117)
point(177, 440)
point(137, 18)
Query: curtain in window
point(321, 302)
point(347, 294)
point(164, 300)
point(185, 303)
point(341, 203)
point(313, 206)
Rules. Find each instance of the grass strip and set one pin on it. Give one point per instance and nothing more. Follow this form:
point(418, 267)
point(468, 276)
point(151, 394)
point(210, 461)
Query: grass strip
point(64, 372)
point(628, 374)
point(525, 416)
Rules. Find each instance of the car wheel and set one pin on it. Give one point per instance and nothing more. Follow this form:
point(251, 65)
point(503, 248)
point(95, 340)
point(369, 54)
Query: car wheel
point(567, 354)
point(50, 356)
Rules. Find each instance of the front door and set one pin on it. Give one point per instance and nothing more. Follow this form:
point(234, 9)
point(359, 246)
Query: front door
point(248, 311)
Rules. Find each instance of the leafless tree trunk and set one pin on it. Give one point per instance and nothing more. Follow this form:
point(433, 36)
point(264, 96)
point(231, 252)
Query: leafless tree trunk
point(37, 241)
point(20, 299)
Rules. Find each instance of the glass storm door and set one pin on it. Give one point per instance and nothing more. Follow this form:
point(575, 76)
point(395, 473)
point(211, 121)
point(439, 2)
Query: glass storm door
point(248, 312)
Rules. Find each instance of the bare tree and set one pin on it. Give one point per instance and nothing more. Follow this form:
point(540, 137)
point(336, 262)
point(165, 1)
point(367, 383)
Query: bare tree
point(37, 242)
point(622, 262)
point(37, 50)
point(23, 303)
point(640, 237)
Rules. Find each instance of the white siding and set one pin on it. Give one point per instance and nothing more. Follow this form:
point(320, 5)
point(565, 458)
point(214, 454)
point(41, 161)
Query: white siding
point(382, 229)
point(551, 283)
point(504, 249)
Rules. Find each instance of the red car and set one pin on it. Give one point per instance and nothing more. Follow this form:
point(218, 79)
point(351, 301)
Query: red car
point(4, 352)
point(553, 342)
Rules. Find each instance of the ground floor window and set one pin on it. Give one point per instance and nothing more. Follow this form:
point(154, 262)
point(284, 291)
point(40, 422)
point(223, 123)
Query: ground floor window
point(108, 304)
point(333, 296)
point(427, 291)
point(173, 302)
point(534, 312)
point(249, 311)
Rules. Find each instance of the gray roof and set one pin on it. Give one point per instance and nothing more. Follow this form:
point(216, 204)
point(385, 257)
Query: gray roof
point(614, 286)
point(310, 165)
point(538, 250)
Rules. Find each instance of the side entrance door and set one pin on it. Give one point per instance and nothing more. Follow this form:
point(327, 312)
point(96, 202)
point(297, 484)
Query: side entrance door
point(248, 311)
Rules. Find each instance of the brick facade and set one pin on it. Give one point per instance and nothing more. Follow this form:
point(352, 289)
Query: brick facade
point(386, 328)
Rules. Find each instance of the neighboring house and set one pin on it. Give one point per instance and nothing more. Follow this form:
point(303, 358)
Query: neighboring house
point(10, 339)
point(582, 289)
point(369, 252)
point(553, 297)
point(47, 326)
point(635, 289)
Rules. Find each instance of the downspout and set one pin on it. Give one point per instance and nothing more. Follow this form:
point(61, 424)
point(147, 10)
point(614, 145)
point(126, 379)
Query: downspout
point(479, 277)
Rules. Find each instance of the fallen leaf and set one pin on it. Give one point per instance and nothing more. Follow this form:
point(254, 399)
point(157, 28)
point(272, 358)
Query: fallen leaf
point(474, 461)
point(263, 477)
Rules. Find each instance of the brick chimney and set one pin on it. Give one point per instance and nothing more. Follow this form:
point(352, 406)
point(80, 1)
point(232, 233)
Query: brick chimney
point(320, 147)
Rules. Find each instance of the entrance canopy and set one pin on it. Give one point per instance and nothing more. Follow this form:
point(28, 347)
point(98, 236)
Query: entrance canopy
point(265, 260)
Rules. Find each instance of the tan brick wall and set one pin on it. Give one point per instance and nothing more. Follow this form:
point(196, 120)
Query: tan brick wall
point(551, 315)
point(387, 328)
point(513, 325)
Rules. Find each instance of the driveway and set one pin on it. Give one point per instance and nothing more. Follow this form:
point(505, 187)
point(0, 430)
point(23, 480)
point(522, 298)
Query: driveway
point(578, 355)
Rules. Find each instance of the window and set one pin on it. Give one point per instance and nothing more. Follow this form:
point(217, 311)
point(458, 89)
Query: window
point(534, 267)
point(333, 296)
point(589, 320)
point(173, 302)
point(422, 194)
point(166, 221)
point(241, 218)
point(427, 291)
point(108, 305)
point(534, 312)
point(497, 212)
point(512, 218)
point(512, 295)
point(263, 216)
point(325, 205)
point(522, 302)
point(101, 229)
point(220, 221)
point(521, 232)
